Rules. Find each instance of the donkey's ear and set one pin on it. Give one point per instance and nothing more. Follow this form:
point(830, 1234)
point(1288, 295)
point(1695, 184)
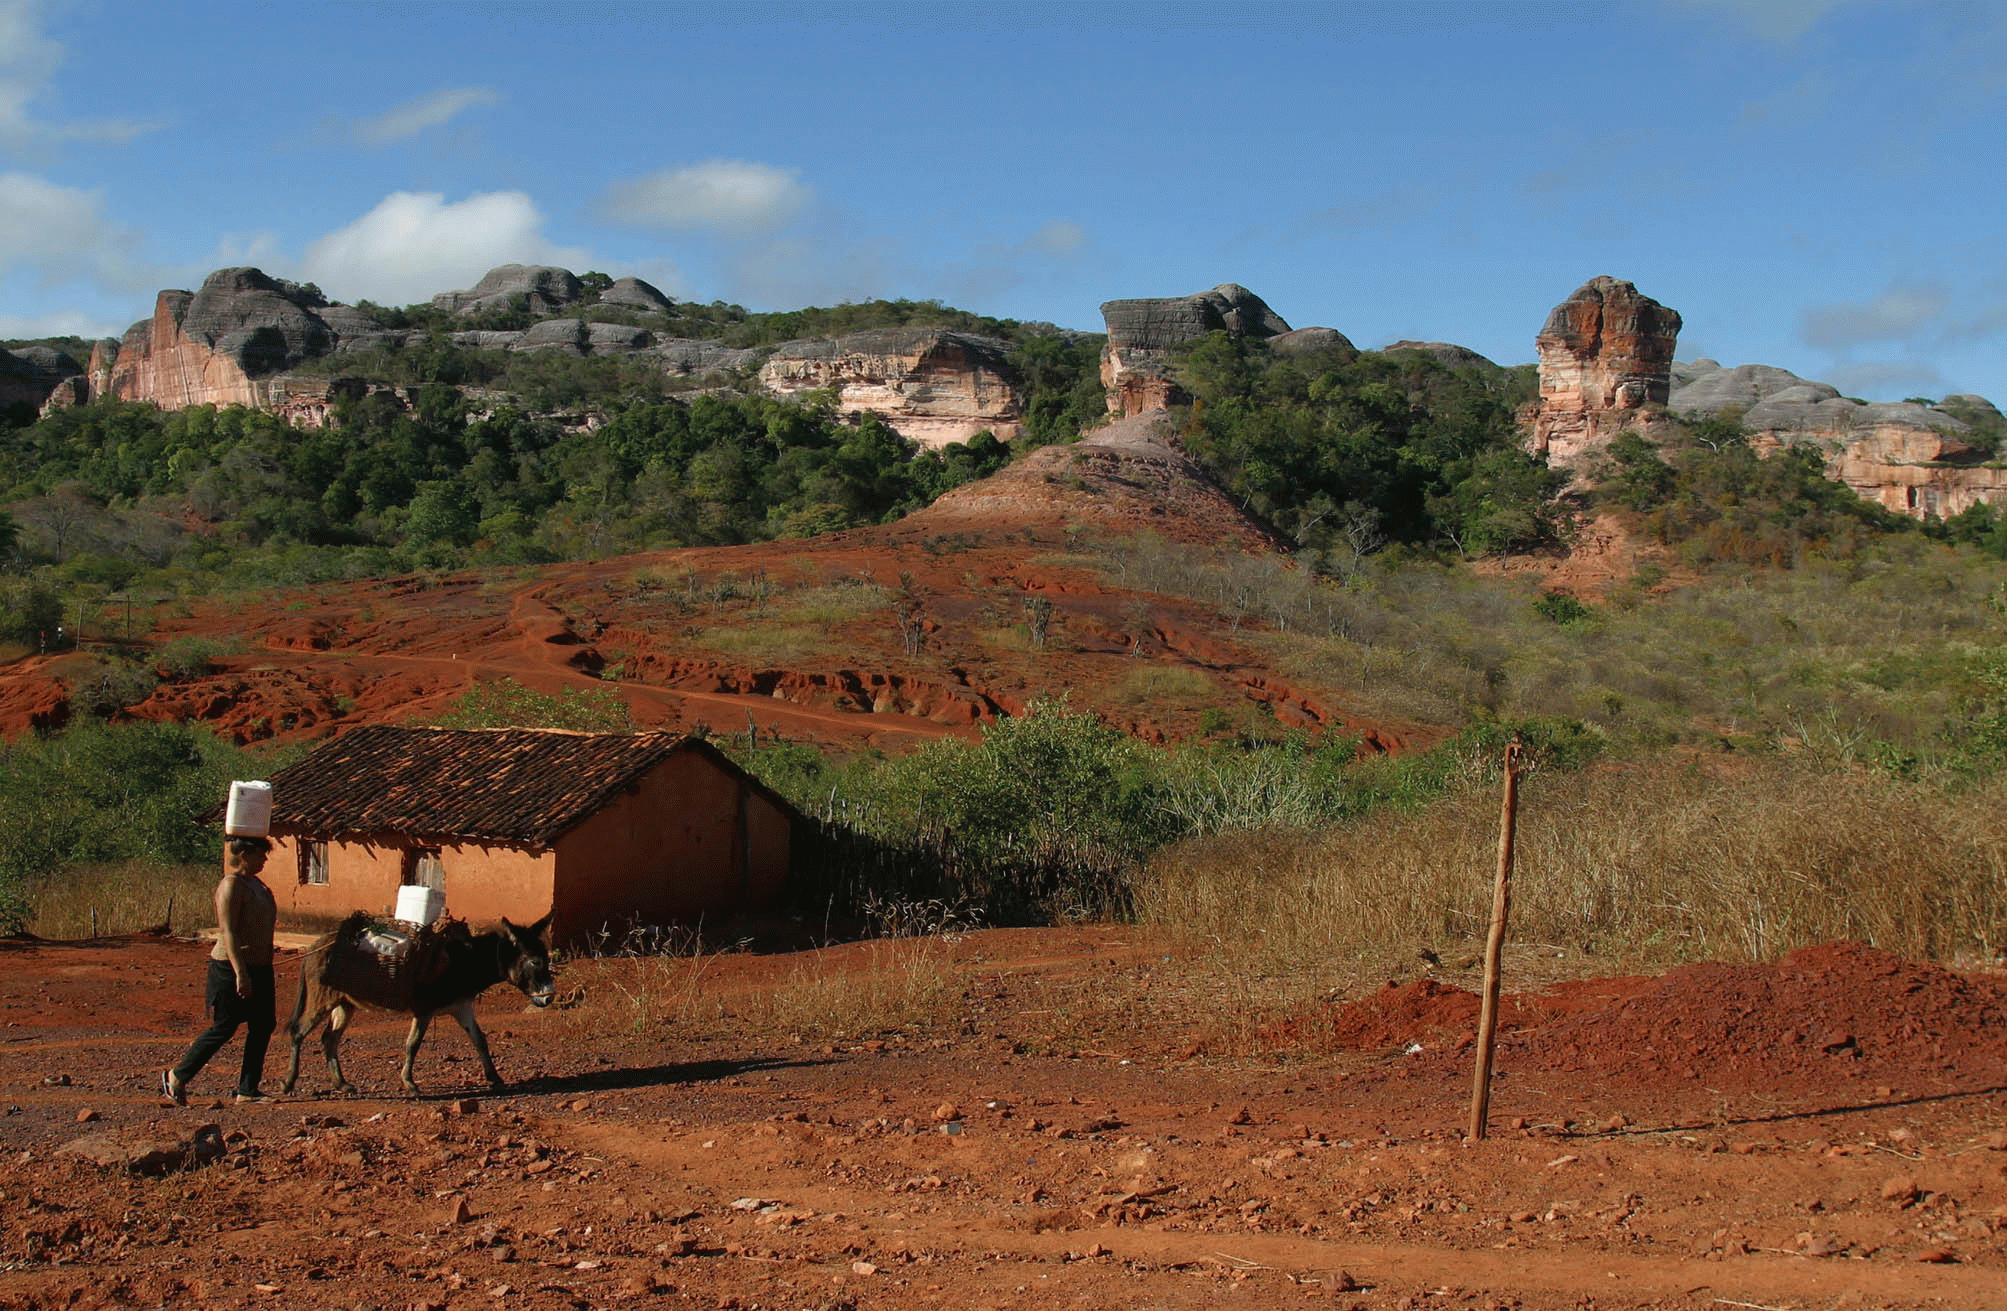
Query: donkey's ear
point(513, 931)
point(542, 926)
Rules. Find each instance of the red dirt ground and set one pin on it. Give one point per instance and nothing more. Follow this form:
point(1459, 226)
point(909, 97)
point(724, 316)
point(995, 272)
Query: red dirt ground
point(404, 649)
point(1039, 1140)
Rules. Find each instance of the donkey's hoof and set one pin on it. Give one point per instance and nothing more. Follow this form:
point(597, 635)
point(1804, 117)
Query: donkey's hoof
point(345, 1089)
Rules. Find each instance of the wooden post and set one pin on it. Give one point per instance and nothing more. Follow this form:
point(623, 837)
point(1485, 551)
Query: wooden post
point(1494, 946)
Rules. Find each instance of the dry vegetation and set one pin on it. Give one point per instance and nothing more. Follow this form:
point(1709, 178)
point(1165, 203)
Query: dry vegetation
point(128, 896)
point(1882, 646)
point(1631, 866)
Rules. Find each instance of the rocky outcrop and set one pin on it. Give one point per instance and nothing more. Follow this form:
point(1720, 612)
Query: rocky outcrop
point(30, 375)
point(1313, 341)
point(543, 289)
point(1605, 360)
point(1143, 336)
point(634, 294)
point(227, 343)
point(931, 385)
point(696, 356)
point(1443, 352)
point(1914, 459)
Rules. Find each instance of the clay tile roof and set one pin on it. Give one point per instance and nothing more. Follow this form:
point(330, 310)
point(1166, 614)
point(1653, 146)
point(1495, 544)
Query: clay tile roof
point(512, 785)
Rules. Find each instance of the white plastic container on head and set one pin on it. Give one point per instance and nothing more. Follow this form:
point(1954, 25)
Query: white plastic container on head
point(420, 905)
point(249, 814)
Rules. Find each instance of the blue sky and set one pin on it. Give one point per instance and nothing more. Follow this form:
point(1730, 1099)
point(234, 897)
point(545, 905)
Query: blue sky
point(1816, 184)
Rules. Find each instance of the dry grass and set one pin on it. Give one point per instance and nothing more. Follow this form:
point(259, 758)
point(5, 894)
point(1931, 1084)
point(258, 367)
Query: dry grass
point(835, 603)
point(128, 897)
point(766, 645)
point(1167, 687)
point(1642, 865)
point(899, 983)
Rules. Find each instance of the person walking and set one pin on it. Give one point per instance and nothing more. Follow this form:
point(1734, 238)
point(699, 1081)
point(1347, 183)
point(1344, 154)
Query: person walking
point(239, 988)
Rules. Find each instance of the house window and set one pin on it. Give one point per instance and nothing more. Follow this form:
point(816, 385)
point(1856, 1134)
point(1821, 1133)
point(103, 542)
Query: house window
point(313, 861)
point(422, 868)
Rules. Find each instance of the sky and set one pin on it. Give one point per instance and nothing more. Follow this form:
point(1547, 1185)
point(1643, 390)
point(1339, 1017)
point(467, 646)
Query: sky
point(1815, 184)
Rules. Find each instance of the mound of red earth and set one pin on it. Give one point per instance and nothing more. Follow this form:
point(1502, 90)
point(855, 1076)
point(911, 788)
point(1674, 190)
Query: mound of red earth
point(1835, 1012)
point(1128, 476)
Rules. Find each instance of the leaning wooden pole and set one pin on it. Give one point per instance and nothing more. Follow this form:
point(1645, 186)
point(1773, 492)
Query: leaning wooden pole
point(1494, 946)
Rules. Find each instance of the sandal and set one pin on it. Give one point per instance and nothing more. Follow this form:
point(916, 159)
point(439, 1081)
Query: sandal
point(172, 1093)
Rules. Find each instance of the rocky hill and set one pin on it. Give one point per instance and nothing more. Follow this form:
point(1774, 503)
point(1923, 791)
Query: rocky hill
point(1606, 367)
point(245, 338)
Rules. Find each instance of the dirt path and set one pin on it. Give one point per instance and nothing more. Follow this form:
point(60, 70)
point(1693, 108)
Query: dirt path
point(784, 1131)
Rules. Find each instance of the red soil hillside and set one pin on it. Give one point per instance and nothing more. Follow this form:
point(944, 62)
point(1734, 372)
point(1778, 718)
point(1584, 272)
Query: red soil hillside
point(799, 638)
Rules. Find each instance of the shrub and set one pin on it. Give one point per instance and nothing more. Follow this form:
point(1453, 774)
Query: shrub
point(505, 703)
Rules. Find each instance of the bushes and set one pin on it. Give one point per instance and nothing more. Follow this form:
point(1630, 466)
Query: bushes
point(1048, 815)
point(109, 793)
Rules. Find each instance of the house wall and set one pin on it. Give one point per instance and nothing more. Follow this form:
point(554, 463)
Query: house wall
point(689, 838)
point(484, 882)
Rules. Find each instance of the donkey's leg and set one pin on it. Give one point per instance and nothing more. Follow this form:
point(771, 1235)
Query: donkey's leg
point(464, 1012)
point(294, 1029)
point(297, 1030)
point(411, 1041)
point(338, 1018)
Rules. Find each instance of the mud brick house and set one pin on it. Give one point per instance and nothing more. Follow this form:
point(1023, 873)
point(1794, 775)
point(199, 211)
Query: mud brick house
point(602, 830)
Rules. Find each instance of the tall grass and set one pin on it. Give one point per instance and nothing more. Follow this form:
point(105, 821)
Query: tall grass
point(1641, 863)
point(128, 896)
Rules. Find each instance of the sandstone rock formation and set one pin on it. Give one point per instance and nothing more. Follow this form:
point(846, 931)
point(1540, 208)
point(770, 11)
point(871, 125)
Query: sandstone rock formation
point(1914, 459)
point(933, 386)
point(696, 356)
point(225, 343)
point(545, 290)
point(1443, 352)
point(633, 293)
point(1605, 356)
point(29, 375)
point(1311, 341)
point(1143, 334)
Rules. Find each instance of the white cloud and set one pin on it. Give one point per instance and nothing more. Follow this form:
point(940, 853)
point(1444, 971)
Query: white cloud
point(725, 195)
point(60, 323)
point(1059, 237)
point(1782, 21)
point(414, 244)
point(1888, 379)
point(28, 60)
point(56, 234)
point(1903, 312)
point(427, 111)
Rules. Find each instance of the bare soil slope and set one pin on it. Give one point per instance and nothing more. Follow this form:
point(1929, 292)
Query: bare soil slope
point(799, 638)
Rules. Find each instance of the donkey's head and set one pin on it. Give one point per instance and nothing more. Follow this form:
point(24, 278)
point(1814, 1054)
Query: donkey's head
point(531, 968)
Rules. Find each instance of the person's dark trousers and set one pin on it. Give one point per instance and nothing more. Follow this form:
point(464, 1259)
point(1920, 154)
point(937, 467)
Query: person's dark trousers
point(258, 1013)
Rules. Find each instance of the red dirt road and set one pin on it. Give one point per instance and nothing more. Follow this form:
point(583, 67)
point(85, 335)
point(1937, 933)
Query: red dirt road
point(719, 1132)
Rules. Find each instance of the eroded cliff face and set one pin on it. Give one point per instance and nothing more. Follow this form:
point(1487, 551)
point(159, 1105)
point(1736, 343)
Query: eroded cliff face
point(1914, 459)
point(1144, 334)
point(31, 375)
point(1605, 359)
point(228, 343)
point(933, 386)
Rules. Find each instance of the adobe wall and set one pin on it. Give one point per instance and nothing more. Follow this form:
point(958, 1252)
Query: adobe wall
point(670, 848)
point(483, 882)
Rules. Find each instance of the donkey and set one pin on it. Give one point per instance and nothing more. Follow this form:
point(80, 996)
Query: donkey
point(341, 972)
